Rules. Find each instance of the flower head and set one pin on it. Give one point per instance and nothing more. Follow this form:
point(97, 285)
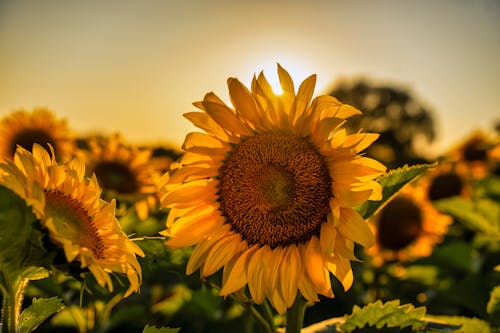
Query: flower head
point(124, 171)
point(69, 206)
point(408, 227)
point(267, 192)
point(40, 126)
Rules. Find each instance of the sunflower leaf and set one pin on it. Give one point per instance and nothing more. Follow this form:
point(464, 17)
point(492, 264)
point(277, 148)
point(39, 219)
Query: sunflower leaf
point(473, 215)
point(22, 254)
point(39, 310)
point(152, 329)
point(391, 183)
point(463, 324)
point(390, 316)
point(493, 306)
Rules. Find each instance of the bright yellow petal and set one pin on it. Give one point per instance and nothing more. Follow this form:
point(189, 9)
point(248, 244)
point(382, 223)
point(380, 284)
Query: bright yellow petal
point(353, 226)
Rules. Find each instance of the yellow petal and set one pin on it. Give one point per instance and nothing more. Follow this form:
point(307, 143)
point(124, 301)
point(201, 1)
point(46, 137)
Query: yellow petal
point(303, 98)
point(353, 226)
point(290, 270)
point(243, 101)
point(197, 139)
point(315, 268)
point(255, 276)
point(327, 236)
point(237, 277)
point(286, 81)
point(226, 118)
point(341, 268)
point(201, 250)
point(203, 121)
point(192, 230)
point(220, 253)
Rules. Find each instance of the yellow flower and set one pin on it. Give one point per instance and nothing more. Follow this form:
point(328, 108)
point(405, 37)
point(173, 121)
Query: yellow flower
point(476, 156)
point(39, 126)
point(69, 206)
point(408, 227)
point(124, 171)
point(267, 192)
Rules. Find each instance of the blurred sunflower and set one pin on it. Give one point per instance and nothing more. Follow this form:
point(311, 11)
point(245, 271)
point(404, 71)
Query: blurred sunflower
point(476, 155)
point(39, 126)
point(444, 182)
point(408, 227)
point(123, 171)
point(69, 206)
point(272, 181)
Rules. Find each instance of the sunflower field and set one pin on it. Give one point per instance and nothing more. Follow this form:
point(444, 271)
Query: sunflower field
point(281, 214)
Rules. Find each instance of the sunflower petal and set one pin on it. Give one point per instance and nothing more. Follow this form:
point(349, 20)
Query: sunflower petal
point(353, 226)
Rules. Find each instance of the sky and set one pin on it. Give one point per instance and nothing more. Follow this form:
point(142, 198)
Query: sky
point(135, 67)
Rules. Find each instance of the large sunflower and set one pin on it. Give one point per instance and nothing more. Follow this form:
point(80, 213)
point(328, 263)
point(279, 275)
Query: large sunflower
point(124, 171)
point(69, 206)
point(267, 192)
point(39, 126)
point(408, 227)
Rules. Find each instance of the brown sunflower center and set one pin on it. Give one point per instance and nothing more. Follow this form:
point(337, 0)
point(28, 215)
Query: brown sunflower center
point(400, 224)
point(27, 137)
point(275, 189)
point(116, 176)
point(444, 186)
point(73, 221)
point(475, 151)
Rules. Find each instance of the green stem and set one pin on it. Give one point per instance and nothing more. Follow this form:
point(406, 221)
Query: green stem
point(11, 309)
point(295, 315)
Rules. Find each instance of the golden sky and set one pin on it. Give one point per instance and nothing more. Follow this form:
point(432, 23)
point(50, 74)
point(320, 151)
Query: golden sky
point(136, 66)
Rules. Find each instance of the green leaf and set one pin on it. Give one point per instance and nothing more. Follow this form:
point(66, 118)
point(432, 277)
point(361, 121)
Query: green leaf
point(466, 324)
point(16, 220)
point(152, 329)
point(391, 183)
point(385, 316)
point(39, 310)
point(22, 255)
point(493, 306)
point(467, 213)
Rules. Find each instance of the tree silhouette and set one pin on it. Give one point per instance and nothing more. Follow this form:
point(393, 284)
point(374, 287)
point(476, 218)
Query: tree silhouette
point(399, 118)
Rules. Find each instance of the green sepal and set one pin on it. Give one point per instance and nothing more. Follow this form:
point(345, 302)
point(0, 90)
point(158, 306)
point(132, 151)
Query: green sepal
point(392, 182)
point(39, 310)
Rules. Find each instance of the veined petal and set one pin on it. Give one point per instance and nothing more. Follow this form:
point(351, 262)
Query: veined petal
point(290, 271)
point(256, 276)
point(243, 101)
point(315, 267)
point(237, 277)
point(220, 253)
point(206, 123)
point(225, 117)
point(197, 139)
point(341, 268)
point(354, 227)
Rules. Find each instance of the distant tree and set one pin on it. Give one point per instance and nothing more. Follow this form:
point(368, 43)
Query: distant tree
point(399, 118)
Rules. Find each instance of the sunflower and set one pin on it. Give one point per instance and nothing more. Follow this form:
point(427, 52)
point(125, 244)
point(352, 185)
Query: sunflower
point(40, 126)
point(408, 227)
point(69, 206)
point(267, 192)
point(124, 171)
point(476, 156)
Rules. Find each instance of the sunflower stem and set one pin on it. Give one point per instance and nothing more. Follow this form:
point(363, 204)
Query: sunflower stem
point(11, 307)
point(295, 315)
